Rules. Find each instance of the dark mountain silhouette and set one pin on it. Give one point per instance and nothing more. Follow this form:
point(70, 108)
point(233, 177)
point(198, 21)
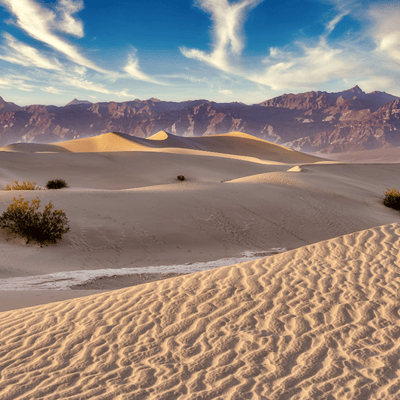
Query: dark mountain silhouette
point(311, 121)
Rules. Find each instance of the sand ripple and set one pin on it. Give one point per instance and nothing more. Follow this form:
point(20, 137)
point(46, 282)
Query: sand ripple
point(320, 322)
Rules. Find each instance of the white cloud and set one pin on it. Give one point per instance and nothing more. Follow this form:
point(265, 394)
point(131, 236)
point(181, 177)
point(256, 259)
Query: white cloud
point(19, 84)
point(225, 91)
point(228, 20)
point(381, 82)
point(39, 23)
point(316, 65)
point(51, 89)
point(386, 30)
point(91, 86)
point(67, 22)
point(133, 69)
point(22, 54)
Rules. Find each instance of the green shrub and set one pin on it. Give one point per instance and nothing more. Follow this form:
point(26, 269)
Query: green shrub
point(181, 178)
point(392, 199)
point(25, 185)
point(25, 221)
point(56, 184)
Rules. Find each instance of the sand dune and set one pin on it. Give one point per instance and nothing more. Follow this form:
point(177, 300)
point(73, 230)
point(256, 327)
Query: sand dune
point(319, 322)
point(232, 144)
point(156, 220)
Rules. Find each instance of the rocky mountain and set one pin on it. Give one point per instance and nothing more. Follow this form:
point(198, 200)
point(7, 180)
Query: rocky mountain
point(6, 107)
point(312, 121)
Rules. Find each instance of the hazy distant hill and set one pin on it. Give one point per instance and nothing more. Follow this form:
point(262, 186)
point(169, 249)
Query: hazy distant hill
point(311, 121)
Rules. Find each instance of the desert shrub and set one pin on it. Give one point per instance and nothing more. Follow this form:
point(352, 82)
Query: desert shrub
point(25, 185)
point(56, 184)
point(25, 221)
point(392, 199)
point(181, 178)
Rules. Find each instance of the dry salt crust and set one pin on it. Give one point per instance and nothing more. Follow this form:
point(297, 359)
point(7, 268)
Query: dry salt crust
point(69, 279)
point(318, 322)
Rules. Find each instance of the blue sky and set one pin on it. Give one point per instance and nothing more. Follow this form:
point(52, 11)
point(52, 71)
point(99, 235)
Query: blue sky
point(220, 50)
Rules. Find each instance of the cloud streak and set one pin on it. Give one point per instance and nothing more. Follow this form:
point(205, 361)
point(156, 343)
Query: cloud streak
point(228, 20)
point(22, 54)
point(40, 23)
point(386, 30)
point(133, 70)
point(315, 66)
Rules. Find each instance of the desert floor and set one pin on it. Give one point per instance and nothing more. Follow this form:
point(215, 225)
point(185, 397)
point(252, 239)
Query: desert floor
point(312, 313)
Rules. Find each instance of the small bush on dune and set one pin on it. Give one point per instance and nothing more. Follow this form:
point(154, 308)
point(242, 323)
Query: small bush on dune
point(25, 221)
point(181, 178)
point(25, 185)
point(56, 184)
point(392, 199)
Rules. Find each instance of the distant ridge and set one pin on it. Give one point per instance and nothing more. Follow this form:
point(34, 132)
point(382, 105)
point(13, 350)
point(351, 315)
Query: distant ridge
point(316, 121)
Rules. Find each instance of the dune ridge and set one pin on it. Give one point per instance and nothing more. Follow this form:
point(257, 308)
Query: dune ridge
point(318, 322)
point(231, 144)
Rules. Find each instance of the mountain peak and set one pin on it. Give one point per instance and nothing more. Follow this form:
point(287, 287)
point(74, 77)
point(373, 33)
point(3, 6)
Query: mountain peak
point(76, 101)
point(355, 89)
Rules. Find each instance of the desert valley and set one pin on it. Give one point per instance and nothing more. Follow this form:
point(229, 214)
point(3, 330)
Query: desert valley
point(266, 274)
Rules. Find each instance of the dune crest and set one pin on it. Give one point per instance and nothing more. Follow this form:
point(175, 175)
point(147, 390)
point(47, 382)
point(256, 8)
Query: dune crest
point(318, 322)
point(233, 144)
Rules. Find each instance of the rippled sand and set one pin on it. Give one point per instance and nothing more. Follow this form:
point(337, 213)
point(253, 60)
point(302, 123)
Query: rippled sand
point(319, 322)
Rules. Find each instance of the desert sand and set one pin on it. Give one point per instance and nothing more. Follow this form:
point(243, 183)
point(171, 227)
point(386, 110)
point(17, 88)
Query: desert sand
point(312, 315)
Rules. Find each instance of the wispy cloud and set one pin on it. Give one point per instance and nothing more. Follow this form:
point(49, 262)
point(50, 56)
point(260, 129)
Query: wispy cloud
point(22, 54)
point(311, 62)
point(314, 66)
point(67, 23)
point(51, 89)
point(228, 20)
point(133, 70)
point(20, 84)
point(40, 23)
point(386, 29)
point(225, 91)
point(92, 86)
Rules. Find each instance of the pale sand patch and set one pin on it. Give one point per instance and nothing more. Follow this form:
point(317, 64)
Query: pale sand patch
point(317, 322)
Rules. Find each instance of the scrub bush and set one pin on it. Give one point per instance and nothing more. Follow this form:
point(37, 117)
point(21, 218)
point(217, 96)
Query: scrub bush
point(56, 184)
point(392, 199)
point(25, 221)
point(25, 185)
point(181, 178)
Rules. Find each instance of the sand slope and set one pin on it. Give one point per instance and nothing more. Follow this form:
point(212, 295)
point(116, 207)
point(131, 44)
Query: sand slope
point(230, 144)
point(319, 322)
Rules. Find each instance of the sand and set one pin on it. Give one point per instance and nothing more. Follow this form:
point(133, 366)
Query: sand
point(317, 321)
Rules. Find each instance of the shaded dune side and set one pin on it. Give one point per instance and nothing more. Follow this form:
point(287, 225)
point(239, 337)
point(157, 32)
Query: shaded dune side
point(33, 148)
point(234, 143)
point(319, 322)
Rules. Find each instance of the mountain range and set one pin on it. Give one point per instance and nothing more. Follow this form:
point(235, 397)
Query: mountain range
point(311, 122)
